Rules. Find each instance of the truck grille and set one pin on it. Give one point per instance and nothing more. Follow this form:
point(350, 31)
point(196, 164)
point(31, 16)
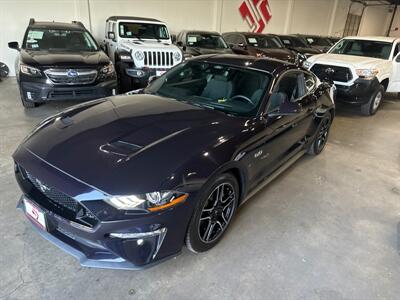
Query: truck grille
point(71, 76)
point(158, 59)
point(59, 202)
point(341, 74)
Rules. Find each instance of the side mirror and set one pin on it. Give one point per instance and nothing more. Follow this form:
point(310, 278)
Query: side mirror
point(397, 59)
point(13, 45)
point(282, 106)
point(152, 78)
point(111, 35)
point(173, 38)
point(179, 44)
point(230, 45)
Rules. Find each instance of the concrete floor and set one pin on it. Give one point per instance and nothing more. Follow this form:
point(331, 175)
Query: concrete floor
point(333, 234)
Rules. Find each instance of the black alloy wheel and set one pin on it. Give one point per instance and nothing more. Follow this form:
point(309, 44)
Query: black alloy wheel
point(321, 137)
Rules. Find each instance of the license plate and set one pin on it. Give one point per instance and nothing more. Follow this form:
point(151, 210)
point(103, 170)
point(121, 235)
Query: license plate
point(35, 214)
point(159, 73)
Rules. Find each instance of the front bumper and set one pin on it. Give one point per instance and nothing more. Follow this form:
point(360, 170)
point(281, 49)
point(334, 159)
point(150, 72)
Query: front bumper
point(358, 93)
point(43, 92)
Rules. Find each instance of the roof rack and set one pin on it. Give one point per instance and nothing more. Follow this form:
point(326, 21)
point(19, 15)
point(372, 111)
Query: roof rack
point(31, 21)
point(78, 23)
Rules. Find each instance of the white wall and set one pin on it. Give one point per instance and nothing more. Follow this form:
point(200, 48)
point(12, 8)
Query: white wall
point(396, 24)
point(325, 17)
point(375, 21)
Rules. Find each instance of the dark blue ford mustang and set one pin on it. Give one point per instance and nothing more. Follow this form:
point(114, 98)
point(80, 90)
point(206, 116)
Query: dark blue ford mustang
point(124, 182)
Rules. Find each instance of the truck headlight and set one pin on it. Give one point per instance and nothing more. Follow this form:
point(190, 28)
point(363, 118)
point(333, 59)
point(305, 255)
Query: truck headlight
point(154, 201)
point(31, 71)
point(108, 69)
point(307, 64)
point(139, 55)
point(177, 56)
point(367, 73)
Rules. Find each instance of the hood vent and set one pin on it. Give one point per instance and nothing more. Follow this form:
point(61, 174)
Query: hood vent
point(120, 148)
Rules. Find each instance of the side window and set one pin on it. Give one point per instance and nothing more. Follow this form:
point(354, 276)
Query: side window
point(396, 50)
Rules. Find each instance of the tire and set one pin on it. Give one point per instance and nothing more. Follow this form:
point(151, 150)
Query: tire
point(321, 136)
point(211, 218)
point(371, 107)
point(27, 103)
point(124, 81)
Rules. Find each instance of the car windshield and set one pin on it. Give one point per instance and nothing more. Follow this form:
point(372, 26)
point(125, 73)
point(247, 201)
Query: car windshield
point(59, 40)
point(232, 90)
point(293, 42)
point(318, 41)
point(264, 41)
point(366, 48)
point(204, 40)
point(143, 31)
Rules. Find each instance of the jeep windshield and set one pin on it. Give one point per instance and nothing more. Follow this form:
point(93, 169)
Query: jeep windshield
point(232, 90)
point(366, 48)
point(264, 41)
point(39, 39)
point(143, 31)
point(204, 40)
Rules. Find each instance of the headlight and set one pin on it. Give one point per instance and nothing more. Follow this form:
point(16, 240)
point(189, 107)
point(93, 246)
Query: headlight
point(177, 56)
point(307, 64)
point(108, 70)
point(154, 201)
point(31, 71)
point(139, 55)
point(367, 73)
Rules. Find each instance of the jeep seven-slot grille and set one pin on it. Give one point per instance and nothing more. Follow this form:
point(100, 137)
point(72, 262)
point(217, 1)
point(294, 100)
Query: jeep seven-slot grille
point(71, 76)
point(60, 203)
point(158, 59)
point(341, 74)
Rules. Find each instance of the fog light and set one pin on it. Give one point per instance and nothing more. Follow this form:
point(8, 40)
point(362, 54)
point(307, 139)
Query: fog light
point(140, 73)
point(138, 235)
point(29, 95)
point(113, 92)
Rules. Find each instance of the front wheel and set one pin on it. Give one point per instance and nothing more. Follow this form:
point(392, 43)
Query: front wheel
point(321, 136)
point(124, 81)
point(213, 214)
point(371, 107)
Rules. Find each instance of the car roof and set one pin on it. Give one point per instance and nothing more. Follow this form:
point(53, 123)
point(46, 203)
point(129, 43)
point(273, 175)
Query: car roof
point(57, 25)
point(249, 33)
point(373, 38)
point(262, 64)
point(128, 18)
point(200, 32)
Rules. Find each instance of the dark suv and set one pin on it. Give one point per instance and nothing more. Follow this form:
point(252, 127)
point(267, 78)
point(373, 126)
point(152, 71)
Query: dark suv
point(61, 61)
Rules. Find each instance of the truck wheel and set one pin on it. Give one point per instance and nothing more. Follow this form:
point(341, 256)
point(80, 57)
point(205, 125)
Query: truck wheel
point(124, 81)
point(27, 103)
point(371, 107)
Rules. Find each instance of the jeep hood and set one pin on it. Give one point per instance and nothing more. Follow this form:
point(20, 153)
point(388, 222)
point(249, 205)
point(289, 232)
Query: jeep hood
point(346, 60)
point(138, 140)
point(147, 45)
point(64, 58)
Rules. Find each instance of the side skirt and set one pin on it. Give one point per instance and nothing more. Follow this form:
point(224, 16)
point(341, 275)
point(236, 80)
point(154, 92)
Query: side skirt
point(274, 175)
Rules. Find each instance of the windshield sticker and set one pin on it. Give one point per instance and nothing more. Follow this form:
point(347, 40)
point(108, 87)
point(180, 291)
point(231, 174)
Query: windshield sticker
point(35, 35)
point(129, 33)
point(252, 40)
point(121, 29)
point(192, 39)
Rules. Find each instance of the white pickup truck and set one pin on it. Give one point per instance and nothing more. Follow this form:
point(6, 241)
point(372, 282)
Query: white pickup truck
point(139, 48)
point(362, 68)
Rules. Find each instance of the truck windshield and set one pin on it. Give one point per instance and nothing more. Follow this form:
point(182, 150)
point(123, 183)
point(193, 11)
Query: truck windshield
point(143, 31)
point(232, 90)
point(264, 41)
point(59, 40)
point(204, 40)
point(366, 48)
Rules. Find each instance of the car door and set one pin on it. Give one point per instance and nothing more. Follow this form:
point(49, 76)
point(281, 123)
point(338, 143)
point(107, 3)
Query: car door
point(394, 84)
point(287, 122)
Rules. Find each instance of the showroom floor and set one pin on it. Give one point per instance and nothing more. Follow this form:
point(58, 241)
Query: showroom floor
point(328, 228)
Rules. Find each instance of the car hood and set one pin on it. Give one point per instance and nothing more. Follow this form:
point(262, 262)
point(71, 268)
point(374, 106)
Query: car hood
point(346, 60)
point(129, 45)
point(138, 141)
point(200, 51)
point(69, 59)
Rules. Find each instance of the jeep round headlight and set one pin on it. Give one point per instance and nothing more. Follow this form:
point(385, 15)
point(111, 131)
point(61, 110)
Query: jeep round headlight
point(177, 56)
point(154, 201)
point(139, 55)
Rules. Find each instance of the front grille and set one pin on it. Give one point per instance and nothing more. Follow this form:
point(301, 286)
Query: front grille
point(71, 76)
point(341, 74)
point(158, 59)
point(58, 202)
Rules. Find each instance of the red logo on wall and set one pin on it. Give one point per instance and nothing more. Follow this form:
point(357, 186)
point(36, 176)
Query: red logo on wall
point(257, 14)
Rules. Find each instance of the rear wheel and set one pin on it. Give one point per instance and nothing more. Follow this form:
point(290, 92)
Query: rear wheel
point(371, 107)
point(213, 214)
point(322, 135)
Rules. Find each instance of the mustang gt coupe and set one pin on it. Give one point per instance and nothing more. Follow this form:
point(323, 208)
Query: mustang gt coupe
point(124, 182)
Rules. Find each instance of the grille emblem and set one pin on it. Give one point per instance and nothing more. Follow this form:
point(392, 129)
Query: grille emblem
point(44, 188)
point(72, 73)
point(329, 71)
